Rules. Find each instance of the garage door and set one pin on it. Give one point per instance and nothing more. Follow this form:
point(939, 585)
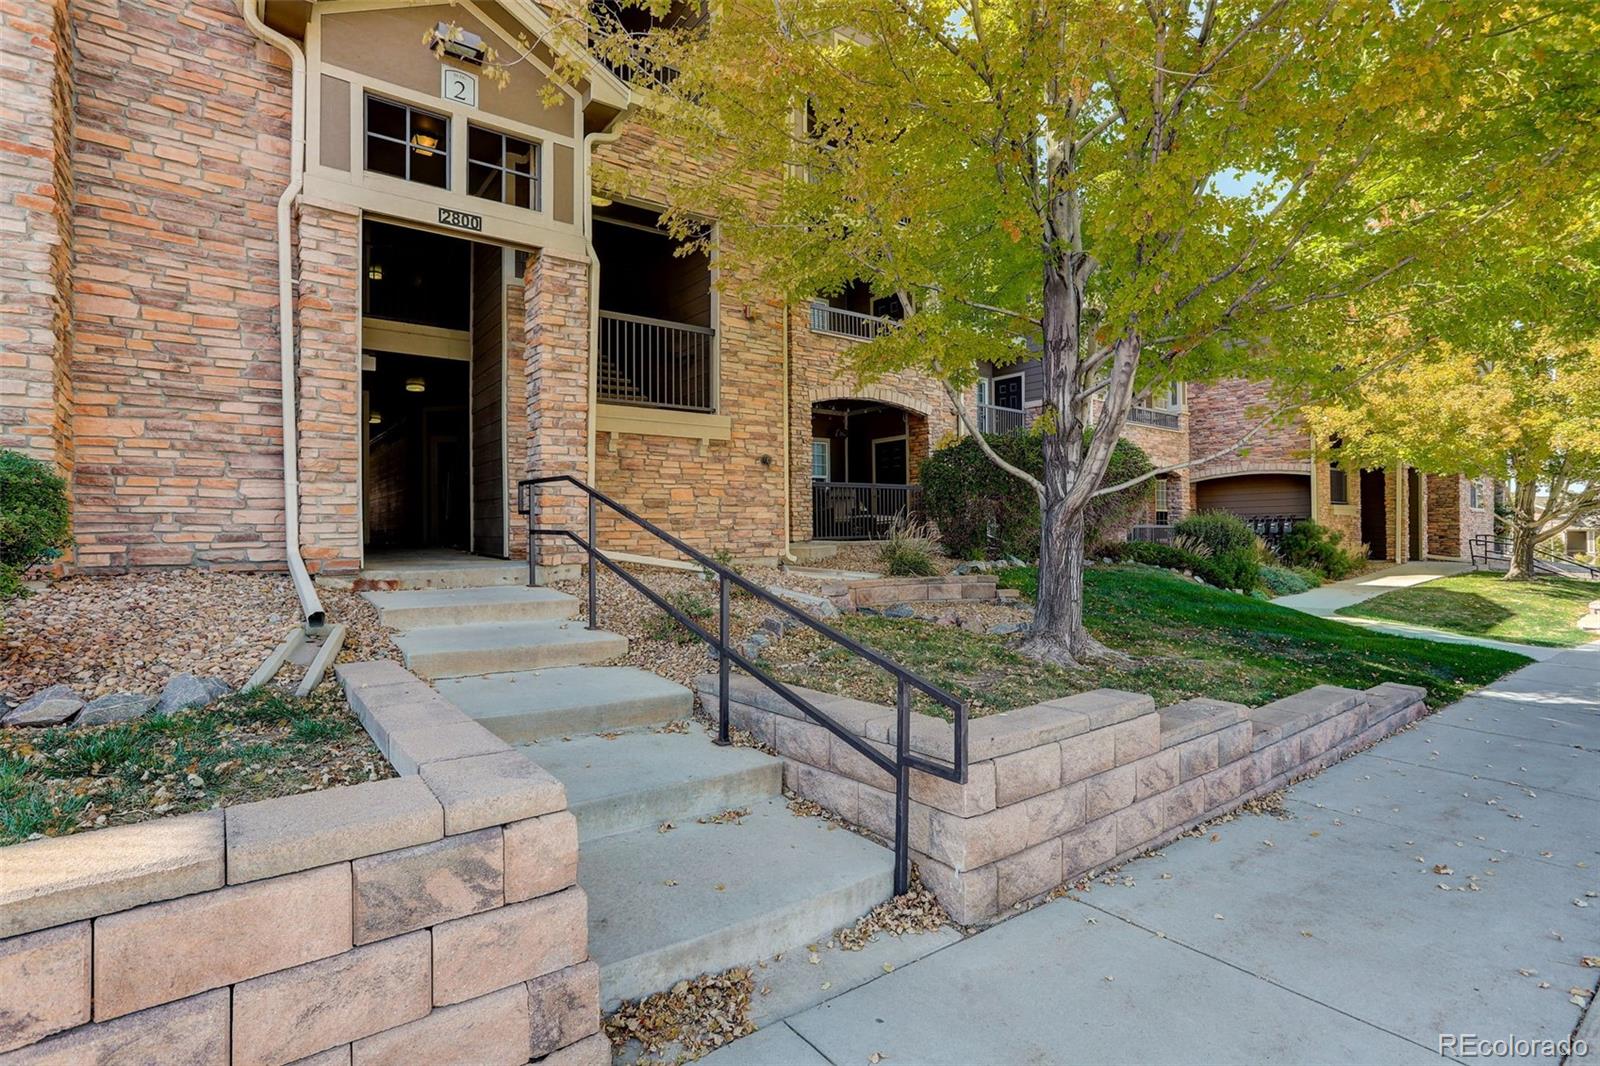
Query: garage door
point(1257, 494)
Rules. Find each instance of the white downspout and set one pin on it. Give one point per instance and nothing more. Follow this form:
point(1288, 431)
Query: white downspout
point(589, 141)
point(310, 605)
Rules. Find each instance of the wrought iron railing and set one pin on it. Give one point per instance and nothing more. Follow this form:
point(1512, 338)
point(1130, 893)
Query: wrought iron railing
point(1154, 416)
point(651, 362)
point(898, 764)
point(992, 419)
point(856, 510)
point(1154, 533)
point(1486, 548)
point(826, 319)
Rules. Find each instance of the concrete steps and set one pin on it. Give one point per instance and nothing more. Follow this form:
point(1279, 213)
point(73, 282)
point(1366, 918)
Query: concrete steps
point(498, 647)
point(617, 784)
point(530, 705)
point(428, 607)
point(702, 898)
point(464, 573)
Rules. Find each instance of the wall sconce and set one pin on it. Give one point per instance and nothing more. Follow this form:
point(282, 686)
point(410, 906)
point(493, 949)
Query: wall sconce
point(423, 143)
point(416, 385)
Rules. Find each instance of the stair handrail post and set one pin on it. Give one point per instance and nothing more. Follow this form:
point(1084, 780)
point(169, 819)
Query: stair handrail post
point(902, 788)
point(533, 523)
point(723, 739)
point(592, 623)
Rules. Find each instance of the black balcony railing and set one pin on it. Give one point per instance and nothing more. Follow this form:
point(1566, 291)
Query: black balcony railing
point(896, 758)
point(1154, 533)
point(1152, 416)
point(992, 419)
point(843, 510)
point(651, 362)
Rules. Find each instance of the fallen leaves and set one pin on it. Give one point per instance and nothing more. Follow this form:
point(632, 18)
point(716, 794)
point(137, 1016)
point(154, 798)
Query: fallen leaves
point(918, 911)
point(699, 1015)
point(731, 816)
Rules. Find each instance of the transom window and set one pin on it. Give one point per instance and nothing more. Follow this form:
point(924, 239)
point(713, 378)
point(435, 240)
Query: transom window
point(502, 168)
point(408, 143)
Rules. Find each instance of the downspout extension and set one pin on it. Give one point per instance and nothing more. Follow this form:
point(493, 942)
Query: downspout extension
point(310, 606)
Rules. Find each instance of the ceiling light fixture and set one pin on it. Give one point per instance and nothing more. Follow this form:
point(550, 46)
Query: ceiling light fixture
point(375, 272)
point(375, 419)
point(416, 385)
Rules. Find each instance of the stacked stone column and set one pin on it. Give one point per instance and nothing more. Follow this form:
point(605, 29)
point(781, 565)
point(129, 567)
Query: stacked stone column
point(556, 394)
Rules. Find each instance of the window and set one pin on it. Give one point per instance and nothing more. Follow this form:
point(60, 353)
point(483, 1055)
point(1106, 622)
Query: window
point(404, 142)
point(1169, 398)
point(1474, 496)
point(819, 460)
point(1338, 485)
point(1163, 511)
point(983, 392)
point(502, 168)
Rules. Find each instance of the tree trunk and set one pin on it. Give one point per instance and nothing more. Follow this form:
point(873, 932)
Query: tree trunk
point(1057, 630)
point(1523, 541)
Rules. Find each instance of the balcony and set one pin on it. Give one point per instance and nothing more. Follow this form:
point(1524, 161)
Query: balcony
point(853, 324)
point(653, 362)
point(992, 419)
point(859, 510)
point(1154, 416)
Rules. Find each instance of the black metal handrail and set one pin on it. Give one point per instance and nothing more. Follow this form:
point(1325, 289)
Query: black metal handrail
point(1490, 548)
point(903, 761)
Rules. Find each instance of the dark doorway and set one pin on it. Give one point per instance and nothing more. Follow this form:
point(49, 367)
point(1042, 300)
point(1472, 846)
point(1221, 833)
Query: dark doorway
point(1374, 514)
point(418, 479)
point(1414, 549)
point(889, 466)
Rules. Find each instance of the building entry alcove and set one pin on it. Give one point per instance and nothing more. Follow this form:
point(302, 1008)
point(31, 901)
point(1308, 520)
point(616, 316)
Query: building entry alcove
point(433, 391)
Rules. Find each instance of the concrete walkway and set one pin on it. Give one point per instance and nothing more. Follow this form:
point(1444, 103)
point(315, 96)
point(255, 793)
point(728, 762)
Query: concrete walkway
point(1445, 881)
point(1327, 599)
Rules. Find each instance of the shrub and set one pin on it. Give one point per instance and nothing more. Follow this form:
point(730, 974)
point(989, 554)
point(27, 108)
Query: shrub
point(1317, 548)
point(1281, 582)
point(982, 511)
point(1310, 577)
point(663, 626)
point(1231, 570)
point(908, 550)
point(33, 518)
point(1220, 531)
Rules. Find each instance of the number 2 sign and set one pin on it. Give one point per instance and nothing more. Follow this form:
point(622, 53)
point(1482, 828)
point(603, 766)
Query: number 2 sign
point(458, 86)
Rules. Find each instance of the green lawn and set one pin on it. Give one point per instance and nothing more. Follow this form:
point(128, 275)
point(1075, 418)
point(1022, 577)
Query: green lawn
point(1183, 639)
point(1543, 611)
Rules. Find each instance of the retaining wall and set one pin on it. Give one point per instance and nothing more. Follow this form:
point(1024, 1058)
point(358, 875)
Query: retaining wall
point(433, 917)
point(888, 591)
point(1062, 788)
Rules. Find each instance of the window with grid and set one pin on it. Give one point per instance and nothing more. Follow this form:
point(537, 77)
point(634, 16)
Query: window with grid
point(1163, 514)
point(1338, 484)
point(819, 460)
point(1474, 499)
point(408, 143)
point(502, 168)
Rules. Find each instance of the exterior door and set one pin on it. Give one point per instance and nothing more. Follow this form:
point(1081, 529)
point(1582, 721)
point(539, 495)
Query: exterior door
point(1414, 514)
point(1008, 392)
point(889, 466)
point(1374, 514)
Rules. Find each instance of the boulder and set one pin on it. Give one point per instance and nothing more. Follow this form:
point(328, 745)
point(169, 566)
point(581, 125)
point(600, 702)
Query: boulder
point(117, 707)
point(1006, 629)
point(183, 692)
point(899, 610)
point(777, 625)
point(817, 605)
point(48, 706)
point(217, 686)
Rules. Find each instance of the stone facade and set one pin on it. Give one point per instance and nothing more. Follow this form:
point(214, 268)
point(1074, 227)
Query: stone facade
point(430, 917)
point(1060, 790)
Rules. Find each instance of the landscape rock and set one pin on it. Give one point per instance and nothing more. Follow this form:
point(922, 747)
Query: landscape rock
point(899, 610)
point(775, 624)
point(820, 606)
point(1006, 629)
point(117, 707)
point(183, 692)
point(217, 686)
point(37, 712)
point(54, 692)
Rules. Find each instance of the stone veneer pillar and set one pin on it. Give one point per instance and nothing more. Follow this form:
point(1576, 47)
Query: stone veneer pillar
point(556, 331)
point(36, 187)
point(328, 322)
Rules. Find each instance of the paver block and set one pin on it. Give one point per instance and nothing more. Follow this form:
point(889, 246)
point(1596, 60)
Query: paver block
point(1054, 813)
point(563, 1008)
point(1193, 718)
point(1139, 824)
point(1104, 707)
point(334, 1056)
point(1088, 754)
point(50, 882)
point(1137, 738)
point(1224, 786)
point(1197, 757)
point(1088, 848)
point(541, 856)
point(288, 1015)
point(491, 1030)
point(411, 749)
point(974, 797)
point(970, 896)
point(1109, 792)
point(163, 952)
point(1029, 873)
point(844, 759)
point(1024, 774)
point(191, 1032)
point(1290, 715)
point(1155, 773)
point(517, 942)
point(838, 794)
point(805, 741)
point(968, 843)
point(292, 833)
point(1184, 804)
point(1234, 742)
point(486, 790)
point(590, 1051)
point(44, 983)
point(413, 888)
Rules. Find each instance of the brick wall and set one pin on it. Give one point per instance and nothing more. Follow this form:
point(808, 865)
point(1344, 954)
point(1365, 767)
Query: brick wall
point(426, 918)
point(516, 413)
point(179, 155)
point(1452, 520)
point(1061, 790)
point(1221, 413)
point(1344, 519)
point(36, 183)
point(555, 394)
point(327, 325)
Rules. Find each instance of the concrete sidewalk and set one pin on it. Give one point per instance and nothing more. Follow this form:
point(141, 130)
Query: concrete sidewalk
point(1327, 599)
point(1445, 881)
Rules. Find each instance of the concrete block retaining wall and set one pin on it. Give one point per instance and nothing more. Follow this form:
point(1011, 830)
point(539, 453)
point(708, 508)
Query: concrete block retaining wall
point(1062, 788)
point(888, 591)
point(433, 917)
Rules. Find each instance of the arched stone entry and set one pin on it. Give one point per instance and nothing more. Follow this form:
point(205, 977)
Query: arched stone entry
point(865, 455)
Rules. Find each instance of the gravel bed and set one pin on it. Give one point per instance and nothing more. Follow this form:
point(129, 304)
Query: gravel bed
point(133, 632)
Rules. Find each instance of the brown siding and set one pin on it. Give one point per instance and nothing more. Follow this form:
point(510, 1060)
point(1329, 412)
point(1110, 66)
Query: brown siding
point(335, 116)
point(1256, 494)
point(561, 184)
point(488, 428)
